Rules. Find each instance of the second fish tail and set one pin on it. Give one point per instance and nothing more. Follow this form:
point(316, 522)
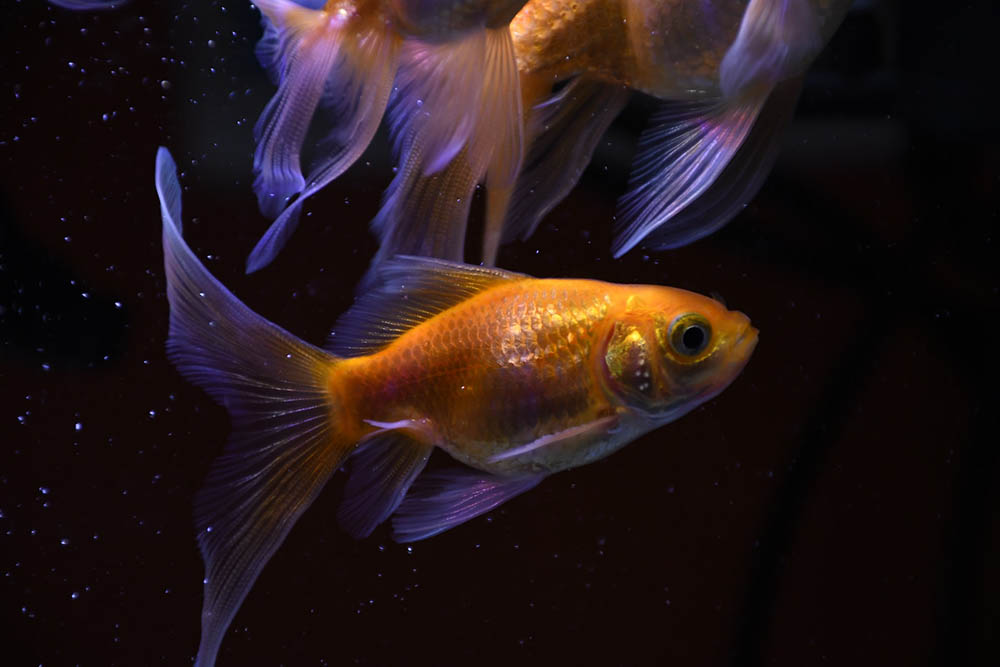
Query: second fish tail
point(341, 59)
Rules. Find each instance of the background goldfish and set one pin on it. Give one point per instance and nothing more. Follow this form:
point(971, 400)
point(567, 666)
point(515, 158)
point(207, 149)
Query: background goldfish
point(726, 70)
point(469, 86)
point(514, 377)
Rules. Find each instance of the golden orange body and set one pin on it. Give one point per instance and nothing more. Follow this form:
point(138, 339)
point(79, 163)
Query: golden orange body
point(667, 48)
point(528, 359)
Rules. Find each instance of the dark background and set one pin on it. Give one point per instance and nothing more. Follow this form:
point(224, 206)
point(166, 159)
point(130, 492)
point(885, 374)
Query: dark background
point(837, 505)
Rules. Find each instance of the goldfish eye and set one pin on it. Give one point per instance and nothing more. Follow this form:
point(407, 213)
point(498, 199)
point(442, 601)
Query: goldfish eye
point(689, 334)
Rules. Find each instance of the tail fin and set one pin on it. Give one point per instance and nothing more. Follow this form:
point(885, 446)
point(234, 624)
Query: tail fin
point(456, 118)
point(339, 61)
point(285, 443)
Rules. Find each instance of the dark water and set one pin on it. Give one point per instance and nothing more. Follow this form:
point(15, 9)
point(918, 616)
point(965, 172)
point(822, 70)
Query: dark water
point(837, 505)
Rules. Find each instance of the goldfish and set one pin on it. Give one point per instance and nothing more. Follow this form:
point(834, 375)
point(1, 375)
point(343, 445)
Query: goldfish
point(512, 377)
point(727, 72)
point(525, 118)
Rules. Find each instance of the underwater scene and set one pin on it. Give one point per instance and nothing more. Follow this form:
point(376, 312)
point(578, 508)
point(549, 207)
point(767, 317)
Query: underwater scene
point(394, 332)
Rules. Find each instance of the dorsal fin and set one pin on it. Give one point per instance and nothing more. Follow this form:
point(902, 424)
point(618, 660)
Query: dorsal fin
point(408, 291)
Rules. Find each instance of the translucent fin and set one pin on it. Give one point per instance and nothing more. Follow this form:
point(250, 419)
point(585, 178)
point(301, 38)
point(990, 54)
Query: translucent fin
point(382, 471)
point(284, 445)
point(445, 147)
point(777, 40)
point(564, 132)
point(438, 93)
point(423, 215)
point(690, 144)
point(680, 156)
point(739, 182)
point(441, 500)
point(342, 64)
point(408, 291)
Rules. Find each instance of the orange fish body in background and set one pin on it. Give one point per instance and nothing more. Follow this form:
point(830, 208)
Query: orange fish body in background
point(727, 70)
point(514, 377)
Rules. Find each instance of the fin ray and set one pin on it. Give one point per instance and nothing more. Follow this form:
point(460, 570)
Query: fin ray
point(680, 156)
point(739, 182)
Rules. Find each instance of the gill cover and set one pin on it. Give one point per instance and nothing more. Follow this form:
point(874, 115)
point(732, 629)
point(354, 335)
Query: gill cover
point(629, 359)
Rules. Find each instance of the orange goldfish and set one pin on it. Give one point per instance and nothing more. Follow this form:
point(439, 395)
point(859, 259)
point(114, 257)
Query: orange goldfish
point(728, 72)
point(477, 105)
point(515, 378)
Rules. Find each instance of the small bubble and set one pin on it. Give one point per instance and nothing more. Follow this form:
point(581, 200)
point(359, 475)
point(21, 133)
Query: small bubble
point(165, 84)
point(64, 542)
point(78, 426)
point(74, 595)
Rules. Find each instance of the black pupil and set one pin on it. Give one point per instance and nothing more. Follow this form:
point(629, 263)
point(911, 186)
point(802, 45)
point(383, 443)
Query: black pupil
point(694, 337)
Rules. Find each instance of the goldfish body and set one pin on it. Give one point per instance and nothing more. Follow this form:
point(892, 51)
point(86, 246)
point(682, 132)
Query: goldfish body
point(515, 378)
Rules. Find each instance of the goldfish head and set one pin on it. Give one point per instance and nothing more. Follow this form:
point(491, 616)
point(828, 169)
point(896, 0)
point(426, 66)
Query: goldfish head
point(671, 350)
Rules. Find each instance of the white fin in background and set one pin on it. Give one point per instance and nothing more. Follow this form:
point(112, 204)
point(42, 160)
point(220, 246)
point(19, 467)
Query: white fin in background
point(456, 118)
point(342, 64)
point(690, 144)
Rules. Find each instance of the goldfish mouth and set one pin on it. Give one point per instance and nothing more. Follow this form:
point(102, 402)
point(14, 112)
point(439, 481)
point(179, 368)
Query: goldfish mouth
point(747, 338)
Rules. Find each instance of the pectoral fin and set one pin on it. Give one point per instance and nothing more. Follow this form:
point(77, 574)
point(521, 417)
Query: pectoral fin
point(444, 499)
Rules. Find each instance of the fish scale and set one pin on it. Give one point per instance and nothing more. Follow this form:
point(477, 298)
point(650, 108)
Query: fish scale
point(534, 376)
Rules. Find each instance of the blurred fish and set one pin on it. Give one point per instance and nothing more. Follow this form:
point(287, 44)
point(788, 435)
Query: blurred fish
point(515, 378)
point(455, 77)
point(728, 72)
